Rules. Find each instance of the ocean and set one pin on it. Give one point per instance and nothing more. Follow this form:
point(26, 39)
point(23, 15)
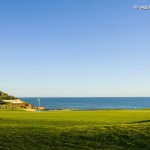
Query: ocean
point(84, 103)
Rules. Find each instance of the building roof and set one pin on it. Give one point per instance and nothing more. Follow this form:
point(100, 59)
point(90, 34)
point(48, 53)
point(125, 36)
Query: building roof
point(17, 101)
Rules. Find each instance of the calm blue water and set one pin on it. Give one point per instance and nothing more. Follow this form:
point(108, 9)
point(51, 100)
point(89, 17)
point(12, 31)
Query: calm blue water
point(92, 103)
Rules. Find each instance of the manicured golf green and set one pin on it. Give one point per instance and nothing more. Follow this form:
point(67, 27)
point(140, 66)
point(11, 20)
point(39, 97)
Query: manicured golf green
point(101, 129)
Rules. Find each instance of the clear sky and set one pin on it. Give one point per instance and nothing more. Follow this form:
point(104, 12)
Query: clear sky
point(74, 48)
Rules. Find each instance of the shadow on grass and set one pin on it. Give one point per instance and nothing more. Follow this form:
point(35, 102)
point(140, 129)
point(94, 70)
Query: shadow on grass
point(142, 121)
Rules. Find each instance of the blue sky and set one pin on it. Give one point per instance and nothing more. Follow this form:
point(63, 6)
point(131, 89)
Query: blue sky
point(74, 48)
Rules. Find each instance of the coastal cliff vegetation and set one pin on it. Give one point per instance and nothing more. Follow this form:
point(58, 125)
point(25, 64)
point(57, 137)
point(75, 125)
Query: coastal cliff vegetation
point(12, 103)
point(5, 96)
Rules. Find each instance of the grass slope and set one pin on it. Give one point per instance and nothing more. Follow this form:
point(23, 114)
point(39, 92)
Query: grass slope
point(104, 129)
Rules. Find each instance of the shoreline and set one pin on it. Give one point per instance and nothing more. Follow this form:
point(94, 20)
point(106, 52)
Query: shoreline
point(68, 109)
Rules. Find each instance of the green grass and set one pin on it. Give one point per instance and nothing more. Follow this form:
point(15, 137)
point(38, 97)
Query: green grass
point(102, 129)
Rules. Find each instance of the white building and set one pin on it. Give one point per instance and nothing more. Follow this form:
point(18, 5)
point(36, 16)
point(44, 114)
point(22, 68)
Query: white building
point(16, 101)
